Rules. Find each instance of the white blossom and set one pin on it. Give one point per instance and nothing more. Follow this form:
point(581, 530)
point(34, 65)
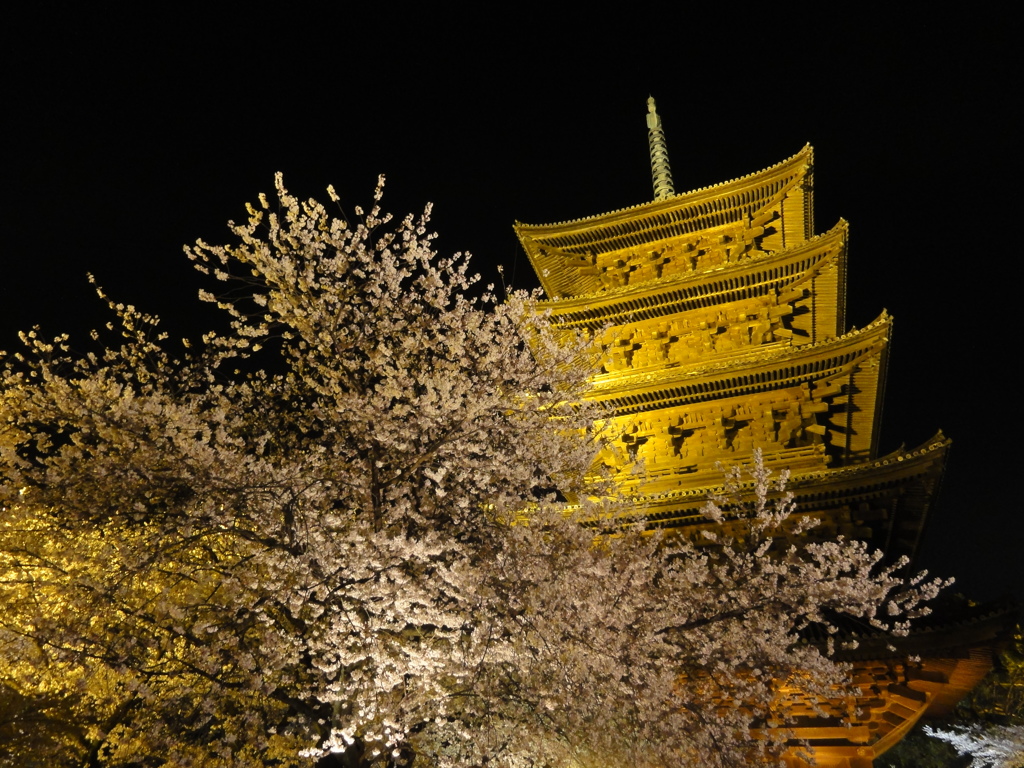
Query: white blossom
point(998, 746)
point(330, 527)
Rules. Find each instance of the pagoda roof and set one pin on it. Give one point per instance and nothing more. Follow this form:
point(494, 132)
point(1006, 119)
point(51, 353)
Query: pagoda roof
point(903, 481)
point(768, 366)
point(824, 483)
point(779, 270)
point(947, 629)
point(550, 246)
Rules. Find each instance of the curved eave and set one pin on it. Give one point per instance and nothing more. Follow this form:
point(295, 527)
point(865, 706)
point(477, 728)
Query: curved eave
point(908, 479)
point(802, 160)
point(944, 632)
point(896, 465)
point(547, 245)
point(815, 485)
point(673, 294)
point(761, 369)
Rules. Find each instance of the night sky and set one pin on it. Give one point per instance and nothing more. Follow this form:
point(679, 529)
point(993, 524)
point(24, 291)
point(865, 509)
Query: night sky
point(127, 137)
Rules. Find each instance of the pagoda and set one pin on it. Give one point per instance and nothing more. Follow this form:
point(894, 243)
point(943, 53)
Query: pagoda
point(720, 319)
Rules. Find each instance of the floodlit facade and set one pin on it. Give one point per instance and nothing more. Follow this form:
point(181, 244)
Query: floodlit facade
point(720, 315)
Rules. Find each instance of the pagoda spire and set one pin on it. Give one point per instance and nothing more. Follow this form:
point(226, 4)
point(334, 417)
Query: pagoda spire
point(660, 170)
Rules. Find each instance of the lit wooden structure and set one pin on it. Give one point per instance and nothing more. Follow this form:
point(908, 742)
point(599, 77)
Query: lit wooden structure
point(724, 330)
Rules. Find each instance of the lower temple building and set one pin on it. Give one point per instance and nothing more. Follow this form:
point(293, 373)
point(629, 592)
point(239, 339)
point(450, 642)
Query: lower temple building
point(721, 322)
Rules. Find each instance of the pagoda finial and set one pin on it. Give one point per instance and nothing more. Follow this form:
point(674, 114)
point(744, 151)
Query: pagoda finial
point(659, 154)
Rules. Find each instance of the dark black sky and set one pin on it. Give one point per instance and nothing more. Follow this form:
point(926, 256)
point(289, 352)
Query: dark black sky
point(126, 137)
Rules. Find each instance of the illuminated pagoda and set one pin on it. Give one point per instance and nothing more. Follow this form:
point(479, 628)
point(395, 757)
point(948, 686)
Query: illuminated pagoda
point(724, 330)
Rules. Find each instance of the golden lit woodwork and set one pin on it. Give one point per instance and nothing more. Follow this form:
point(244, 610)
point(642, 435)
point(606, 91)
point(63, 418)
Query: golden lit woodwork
point(719, 320)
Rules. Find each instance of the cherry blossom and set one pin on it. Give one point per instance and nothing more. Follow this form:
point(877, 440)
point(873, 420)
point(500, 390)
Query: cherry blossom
point(329, 528)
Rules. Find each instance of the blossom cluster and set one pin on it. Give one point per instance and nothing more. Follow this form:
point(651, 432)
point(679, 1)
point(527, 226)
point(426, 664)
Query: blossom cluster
point(329, 527)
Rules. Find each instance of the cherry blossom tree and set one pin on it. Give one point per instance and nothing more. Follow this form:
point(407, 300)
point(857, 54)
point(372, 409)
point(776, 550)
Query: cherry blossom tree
point(326, 532)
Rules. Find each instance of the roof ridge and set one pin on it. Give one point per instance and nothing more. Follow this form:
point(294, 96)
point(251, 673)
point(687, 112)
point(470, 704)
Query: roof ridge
point(807, 149)
point(797, 478)
point(841, 227)
point(745, 360)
